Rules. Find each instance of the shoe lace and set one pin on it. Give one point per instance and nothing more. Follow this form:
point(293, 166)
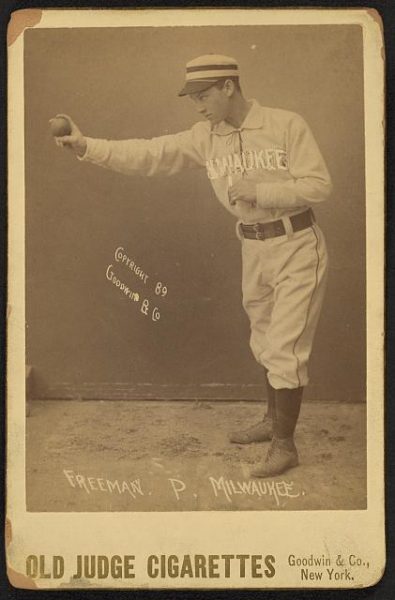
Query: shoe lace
point(270, 453)
point(272, 450)
point(264, 421)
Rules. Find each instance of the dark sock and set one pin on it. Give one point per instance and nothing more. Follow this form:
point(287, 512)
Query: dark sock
point(287, 408)
point(271, 396)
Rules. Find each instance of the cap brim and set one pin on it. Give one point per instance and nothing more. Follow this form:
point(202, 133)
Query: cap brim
point(193, 87)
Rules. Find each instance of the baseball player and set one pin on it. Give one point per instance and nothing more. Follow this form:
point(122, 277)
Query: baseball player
point(267, 170)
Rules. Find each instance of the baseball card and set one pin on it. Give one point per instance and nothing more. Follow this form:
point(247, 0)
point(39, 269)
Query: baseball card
point(196, 299)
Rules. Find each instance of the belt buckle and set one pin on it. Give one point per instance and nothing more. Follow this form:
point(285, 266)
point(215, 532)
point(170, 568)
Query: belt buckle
point(259, 233)
point(279, 228)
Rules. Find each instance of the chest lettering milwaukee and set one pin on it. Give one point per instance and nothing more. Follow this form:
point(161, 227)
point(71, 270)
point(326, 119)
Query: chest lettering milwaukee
point(270, 159)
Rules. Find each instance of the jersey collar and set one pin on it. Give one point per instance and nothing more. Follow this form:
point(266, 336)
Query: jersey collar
point(253, 120)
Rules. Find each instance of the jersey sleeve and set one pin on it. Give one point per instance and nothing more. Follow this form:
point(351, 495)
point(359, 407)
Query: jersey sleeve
point(310, 182)
point(164, 155)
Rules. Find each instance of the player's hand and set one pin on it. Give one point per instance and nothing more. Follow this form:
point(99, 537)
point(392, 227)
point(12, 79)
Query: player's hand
point(74, 141)
point(244, 191)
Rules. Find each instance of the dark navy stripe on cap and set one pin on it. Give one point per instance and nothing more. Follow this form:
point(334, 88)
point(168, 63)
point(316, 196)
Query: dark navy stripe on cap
point(211, 68)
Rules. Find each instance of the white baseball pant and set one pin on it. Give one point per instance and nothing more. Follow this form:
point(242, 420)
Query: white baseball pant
point(284, 280)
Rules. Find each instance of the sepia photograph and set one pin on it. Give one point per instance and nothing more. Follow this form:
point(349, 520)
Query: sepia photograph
point(194, 277)
point(163, 356)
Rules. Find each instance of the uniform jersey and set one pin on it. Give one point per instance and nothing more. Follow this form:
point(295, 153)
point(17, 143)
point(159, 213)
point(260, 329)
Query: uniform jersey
point(274, 148)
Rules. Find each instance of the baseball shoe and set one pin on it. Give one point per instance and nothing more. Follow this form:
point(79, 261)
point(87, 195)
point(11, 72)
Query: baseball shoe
point(281, 456)
point(260, 432)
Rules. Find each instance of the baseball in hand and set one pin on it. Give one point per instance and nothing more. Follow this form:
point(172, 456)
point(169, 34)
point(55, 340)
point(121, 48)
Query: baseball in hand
point(60, 127)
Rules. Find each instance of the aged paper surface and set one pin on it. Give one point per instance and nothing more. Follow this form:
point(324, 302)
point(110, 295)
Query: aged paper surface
point(128, 357)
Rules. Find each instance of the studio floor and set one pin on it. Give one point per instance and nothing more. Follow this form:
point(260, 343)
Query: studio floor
point(172, 456)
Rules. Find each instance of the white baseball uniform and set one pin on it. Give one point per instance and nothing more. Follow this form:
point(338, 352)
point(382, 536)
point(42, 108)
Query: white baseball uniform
point(283, 277)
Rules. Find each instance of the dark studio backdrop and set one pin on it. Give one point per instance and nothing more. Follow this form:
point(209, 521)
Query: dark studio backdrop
point(84, 337)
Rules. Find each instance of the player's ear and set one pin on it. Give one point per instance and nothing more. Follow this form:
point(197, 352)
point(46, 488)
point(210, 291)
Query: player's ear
point(229, 87)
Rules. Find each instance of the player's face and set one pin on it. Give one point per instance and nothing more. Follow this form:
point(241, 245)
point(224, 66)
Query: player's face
point(212, 103)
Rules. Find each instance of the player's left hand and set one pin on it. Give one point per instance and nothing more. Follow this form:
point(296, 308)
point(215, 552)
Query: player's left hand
point(243, 190)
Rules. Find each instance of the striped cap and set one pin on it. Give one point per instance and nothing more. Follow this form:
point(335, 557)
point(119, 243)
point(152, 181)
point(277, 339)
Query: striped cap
point(205, 71)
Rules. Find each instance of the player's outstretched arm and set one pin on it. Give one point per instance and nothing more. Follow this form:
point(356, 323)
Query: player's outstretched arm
point(163, 155)
point(67, 134)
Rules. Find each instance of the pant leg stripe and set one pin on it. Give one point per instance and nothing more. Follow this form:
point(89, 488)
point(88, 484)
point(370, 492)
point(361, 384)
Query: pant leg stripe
point(309, 307)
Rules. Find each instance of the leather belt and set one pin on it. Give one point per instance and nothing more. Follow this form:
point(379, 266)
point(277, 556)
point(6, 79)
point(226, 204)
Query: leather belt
point(263, 231)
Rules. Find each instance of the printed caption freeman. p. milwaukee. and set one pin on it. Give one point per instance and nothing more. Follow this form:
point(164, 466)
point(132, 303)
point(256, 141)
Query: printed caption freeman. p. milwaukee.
point(220, 487)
